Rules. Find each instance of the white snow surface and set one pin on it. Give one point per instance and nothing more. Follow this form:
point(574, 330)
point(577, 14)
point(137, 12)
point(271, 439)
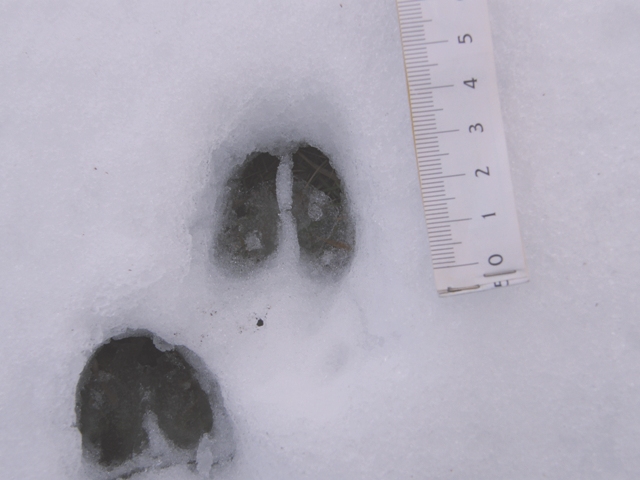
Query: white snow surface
point(120, 123)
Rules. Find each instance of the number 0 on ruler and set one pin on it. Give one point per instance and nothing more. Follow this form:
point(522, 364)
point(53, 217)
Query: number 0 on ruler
point(460, 146)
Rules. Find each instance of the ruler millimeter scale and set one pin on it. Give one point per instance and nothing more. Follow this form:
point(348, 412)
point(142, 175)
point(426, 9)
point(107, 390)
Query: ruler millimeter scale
point(460, 146)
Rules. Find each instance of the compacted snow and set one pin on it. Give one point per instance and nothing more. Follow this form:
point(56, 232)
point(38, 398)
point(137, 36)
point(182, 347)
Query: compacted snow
point(122, 125)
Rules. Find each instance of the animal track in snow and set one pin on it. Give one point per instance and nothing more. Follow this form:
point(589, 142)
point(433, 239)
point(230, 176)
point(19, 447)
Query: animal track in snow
point(252, 217)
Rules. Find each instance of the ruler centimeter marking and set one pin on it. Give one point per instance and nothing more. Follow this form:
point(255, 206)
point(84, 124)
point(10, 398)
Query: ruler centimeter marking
point(460, 146)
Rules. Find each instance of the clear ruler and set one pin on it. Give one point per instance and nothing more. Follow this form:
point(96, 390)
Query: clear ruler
point(460, 146)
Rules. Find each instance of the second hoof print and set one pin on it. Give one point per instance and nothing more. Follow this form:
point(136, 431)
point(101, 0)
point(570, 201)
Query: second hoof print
point(250, 227)
point(143, 404)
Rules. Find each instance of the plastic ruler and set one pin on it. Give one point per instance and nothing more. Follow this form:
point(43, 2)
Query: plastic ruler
point(460, 145)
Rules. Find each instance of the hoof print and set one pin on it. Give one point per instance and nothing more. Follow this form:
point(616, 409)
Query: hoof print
point(139, 407)
point(250, 226)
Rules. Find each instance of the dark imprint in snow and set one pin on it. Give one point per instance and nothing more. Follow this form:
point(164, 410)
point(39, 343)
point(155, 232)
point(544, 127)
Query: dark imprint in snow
point(250, 223)
point(326, 231)
point(124, 382)
point(251, 218)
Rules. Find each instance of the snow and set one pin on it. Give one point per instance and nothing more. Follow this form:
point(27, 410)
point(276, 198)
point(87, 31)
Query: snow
point(120, 124)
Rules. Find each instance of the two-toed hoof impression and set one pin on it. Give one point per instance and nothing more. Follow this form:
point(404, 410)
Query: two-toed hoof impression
point(141, 403)
point(248, 234)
